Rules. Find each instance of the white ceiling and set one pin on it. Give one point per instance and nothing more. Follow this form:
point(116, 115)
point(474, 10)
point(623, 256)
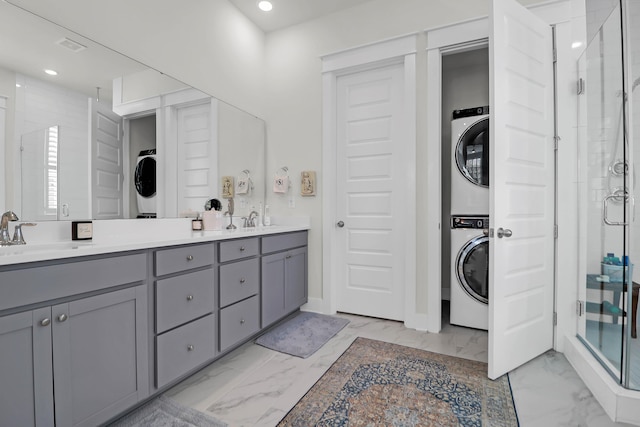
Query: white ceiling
point(290, 12)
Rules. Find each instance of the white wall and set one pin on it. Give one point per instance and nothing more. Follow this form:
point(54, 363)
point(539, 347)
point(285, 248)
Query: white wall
point(207, 44)
point(294, 89)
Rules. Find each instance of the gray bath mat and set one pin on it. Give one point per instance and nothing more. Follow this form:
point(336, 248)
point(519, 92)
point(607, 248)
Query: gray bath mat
point(302, 335)
point(165, 412)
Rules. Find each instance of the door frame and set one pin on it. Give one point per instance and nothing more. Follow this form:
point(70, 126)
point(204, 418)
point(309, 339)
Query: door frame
point(444, 40)
point(400, 50)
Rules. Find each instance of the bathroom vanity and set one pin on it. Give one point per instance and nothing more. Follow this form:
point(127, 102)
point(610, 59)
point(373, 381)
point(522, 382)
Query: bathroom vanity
point(86, 335)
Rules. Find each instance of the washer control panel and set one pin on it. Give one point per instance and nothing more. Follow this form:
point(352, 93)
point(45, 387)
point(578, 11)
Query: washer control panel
point(476, 222)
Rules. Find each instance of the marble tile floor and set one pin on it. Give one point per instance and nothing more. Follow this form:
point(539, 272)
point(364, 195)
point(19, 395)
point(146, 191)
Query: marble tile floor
point(254, 386)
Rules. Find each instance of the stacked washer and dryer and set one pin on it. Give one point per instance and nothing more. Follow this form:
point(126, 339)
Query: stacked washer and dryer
point(470, 218)
point(145, 183)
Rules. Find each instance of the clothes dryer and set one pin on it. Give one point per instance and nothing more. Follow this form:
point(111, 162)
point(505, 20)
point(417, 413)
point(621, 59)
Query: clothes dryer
point(470, 271)
point(470, 162)
point(145, 183)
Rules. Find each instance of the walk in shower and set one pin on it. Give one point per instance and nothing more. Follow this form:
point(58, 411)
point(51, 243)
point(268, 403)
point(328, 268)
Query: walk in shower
point(609, 72)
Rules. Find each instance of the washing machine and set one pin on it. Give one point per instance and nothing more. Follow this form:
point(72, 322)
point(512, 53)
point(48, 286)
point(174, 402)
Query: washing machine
point(470, 161)
point(470, 271)
point(145, 183)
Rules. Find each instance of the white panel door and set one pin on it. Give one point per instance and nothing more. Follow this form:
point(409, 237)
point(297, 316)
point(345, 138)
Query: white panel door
point(107, 173)
point(522, 191)
point(370, 193)
point(197, 170)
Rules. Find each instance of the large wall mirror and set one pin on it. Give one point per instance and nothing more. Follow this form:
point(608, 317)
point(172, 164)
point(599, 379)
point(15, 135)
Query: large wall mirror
point(107, 137)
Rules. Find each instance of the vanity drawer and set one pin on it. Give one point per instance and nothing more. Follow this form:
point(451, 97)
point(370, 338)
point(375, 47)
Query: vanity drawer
point(239, 248)
point(281, 242)
point(182, 349)
point(38, 282)
point(183, 298)
point(239, 321)
point(181, 258)
point(239, 280)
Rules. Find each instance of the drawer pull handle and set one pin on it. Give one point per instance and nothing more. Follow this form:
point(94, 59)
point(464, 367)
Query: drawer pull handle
point(190, 347)
point(242, 321)
point(45, 321)
point(288, 256)
point(62, 317)
point(242, 280)
point(241, 248)
point(189, 297)
point(189, 257)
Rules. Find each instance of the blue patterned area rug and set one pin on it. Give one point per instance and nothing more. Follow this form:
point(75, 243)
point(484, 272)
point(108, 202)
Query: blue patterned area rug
point(375, 383)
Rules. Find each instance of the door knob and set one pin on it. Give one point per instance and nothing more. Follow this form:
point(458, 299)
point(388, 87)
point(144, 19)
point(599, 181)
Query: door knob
point(340, 224)
point(504, 232)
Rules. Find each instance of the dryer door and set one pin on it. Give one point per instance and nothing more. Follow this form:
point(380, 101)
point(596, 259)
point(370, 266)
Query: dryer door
point(472, 153)
point(472, 268)
point(145, 176)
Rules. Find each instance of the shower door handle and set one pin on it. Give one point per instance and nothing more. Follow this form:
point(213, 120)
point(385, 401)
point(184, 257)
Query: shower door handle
point(605, 213)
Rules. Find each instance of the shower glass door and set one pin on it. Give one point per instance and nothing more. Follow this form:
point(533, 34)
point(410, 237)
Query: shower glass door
point(604, 201)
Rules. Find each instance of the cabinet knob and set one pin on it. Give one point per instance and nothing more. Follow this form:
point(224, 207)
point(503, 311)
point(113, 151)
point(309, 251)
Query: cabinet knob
point(189, 297)
point(189, 257)
point(242, 321)
point(241, 248)
point(190, 347)
point(62, 317)
point(242, 280)
point(288, 256)
point(45, 321)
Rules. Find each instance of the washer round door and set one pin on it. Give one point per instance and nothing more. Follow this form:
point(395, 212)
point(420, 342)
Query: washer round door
point(472, 153)
point(472, 268)
point(145, 176)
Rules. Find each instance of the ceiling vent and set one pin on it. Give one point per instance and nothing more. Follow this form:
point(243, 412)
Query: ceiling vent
point(71, 44)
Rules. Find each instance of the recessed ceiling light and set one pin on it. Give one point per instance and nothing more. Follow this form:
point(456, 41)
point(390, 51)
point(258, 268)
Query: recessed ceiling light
point(18, 85)
point(265, 5)
point(51, 72)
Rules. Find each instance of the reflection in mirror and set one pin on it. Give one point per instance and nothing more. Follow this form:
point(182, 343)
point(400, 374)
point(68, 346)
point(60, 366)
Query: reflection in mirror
point(109, 109)
point(39, 174)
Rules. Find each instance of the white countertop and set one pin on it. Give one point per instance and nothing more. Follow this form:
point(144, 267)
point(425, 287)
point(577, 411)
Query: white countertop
point(128, 235)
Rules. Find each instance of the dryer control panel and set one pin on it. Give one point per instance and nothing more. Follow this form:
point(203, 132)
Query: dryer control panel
point(477, 222)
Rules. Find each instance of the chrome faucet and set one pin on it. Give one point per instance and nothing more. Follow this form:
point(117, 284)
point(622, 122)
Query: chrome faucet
point(250, 221)
point(5, 240)
point(18, 238)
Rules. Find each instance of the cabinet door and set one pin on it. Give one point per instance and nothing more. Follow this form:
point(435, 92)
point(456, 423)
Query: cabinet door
point(100, 356)
point(272, 293)
point(295, 281)
point(284, 284)
point(26, 382)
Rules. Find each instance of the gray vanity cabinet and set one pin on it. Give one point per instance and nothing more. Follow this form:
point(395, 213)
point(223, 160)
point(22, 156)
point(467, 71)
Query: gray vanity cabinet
point(284, 275)
point(26, 374)
point(73, 360)
point(185, 319)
